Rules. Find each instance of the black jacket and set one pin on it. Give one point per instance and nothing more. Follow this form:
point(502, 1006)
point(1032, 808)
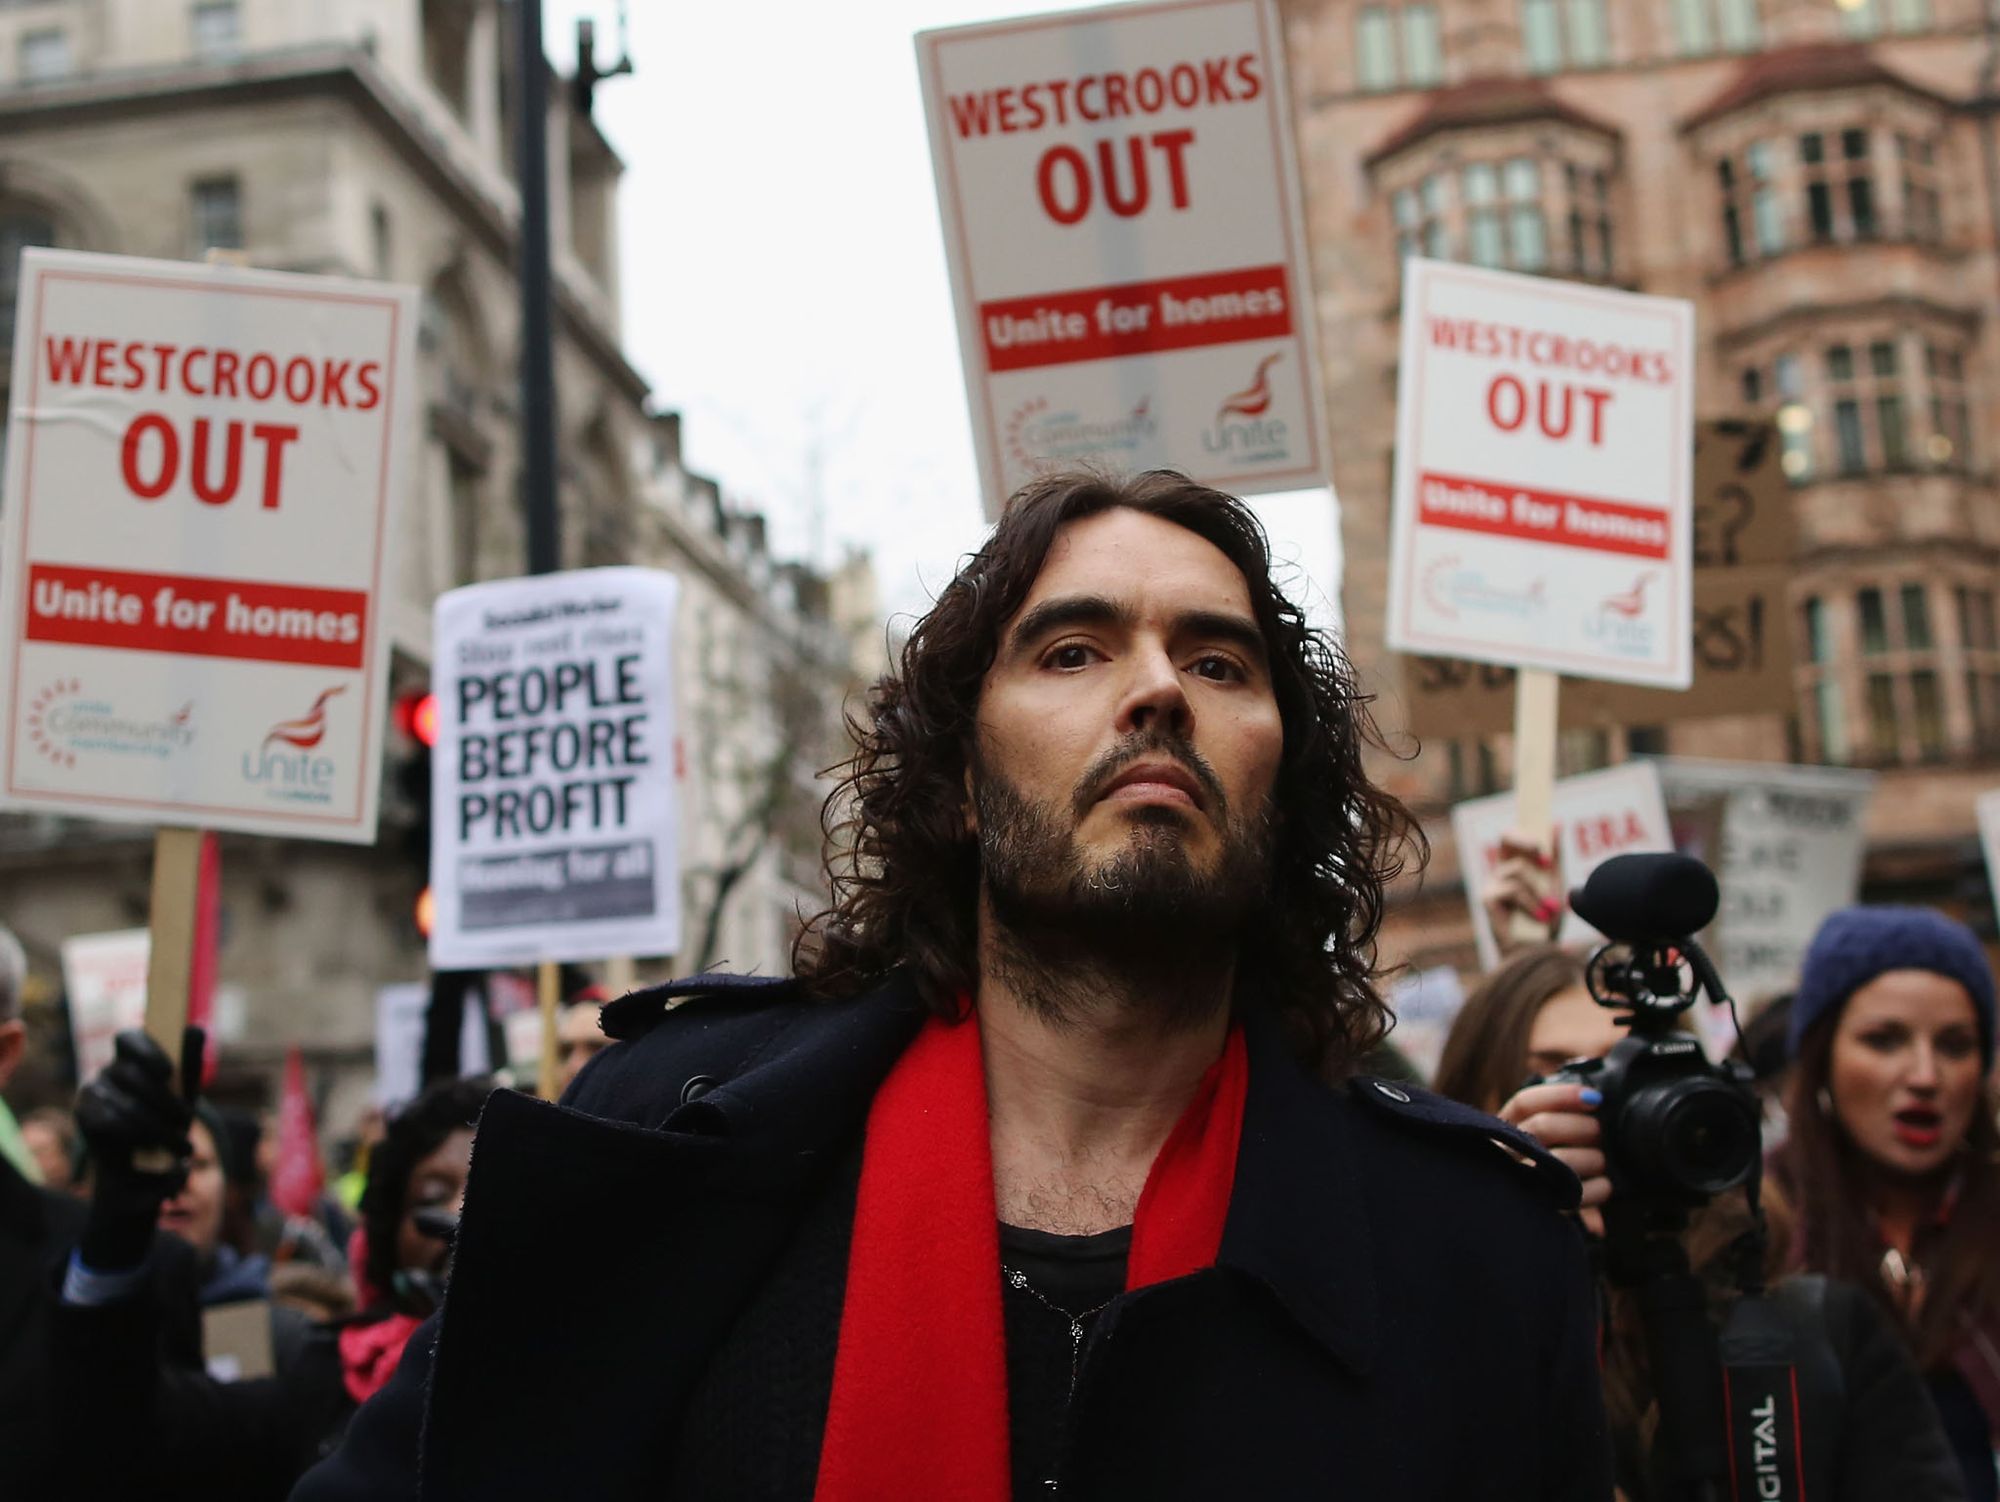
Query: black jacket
point(1397, 1310)
point(37, 1229)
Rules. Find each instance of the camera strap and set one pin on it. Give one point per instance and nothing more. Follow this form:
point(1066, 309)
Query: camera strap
point(1785, 1392)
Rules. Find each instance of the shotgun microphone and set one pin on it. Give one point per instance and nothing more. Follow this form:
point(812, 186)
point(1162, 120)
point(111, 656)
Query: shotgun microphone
point(1648, 899)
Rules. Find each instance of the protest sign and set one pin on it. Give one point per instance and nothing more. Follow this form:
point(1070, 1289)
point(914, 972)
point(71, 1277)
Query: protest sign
point(104, 977)
point(203, 470)
point(401, 1015)
point(1425, 1003)
point(553, 819)
point(1793, 839)
point(1542, 483)
point(1127, 250)
point(1742, 642)
point(1596, 815)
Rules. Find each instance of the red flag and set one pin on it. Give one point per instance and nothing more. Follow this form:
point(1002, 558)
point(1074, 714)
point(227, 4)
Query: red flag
point(297, 1180)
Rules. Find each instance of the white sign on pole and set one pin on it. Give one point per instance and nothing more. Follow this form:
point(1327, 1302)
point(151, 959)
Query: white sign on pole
point(1128, 253)
point(1542, 507)
point(203, 467)
point(1793, 839)
point(1597, 815)
point(554, 827)
point(104, 977)
point(401, 1017)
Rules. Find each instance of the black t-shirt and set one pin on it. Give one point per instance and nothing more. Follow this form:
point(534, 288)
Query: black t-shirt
point(752, 1426)
point(1050, 1287)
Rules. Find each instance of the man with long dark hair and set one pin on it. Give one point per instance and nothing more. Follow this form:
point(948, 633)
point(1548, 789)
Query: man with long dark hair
point(1046, 1173)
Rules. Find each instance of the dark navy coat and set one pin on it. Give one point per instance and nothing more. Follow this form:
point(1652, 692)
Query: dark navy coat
point(1398, 1311)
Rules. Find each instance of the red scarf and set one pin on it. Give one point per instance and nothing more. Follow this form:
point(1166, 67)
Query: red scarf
point(369, 1351)
point(919, 1405)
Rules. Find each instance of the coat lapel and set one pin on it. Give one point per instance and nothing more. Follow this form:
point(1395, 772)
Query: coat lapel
point(1296, 1218)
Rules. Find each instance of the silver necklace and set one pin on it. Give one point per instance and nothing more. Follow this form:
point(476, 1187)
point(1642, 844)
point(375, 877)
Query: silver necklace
point(1018, 1279)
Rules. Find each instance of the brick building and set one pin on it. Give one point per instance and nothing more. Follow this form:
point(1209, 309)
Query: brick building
point(1823, 181)
point(374, 138)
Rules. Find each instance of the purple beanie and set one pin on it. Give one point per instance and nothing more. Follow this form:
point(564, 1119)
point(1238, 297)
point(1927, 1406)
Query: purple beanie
point(1857, 944)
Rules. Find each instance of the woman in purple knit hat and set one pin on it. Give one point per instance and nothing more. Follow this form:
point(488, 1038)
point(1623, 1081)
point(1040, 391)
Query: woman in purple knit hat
point(1892, 1166)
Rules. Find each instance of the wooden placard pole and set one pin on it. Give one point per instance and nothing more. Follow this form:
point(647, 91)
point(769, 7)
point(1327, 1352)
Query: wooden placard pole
point(621, 974)
point(176, 894)
point(548, 992)
point(1534, 776)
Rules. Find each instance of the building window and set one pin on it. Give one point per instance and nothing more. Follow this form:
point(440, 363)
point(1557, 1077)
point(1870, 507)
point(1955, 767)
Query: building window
point(218, 214)
point(1900, 673)
point(1753, 216)
point(1420, 225)
point(18, 230)
point(1824, 712)
point(1557, 34)
point(1702, 26)
point(1870, 418)
point(1979, 644)
point(1923, 217)
point(1589, 220)
point(1867, 18)
point(1948, 445)
point(44, 56)
point(216, 27)
point(1398, 46)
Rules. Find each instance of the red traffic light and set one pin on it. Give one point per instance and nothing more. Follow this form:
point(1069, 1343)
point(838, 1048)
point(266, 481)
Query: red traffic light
point(425, 912)
point(417, 717)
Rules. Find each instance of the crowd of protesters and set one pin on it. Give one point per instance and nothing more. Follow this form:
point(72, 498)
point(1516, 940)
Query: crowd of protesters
point(164, 1332)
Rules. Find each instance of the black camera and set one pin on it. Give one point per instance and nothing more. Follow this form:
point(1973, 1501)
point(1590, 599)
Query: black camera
point(1678, 1130)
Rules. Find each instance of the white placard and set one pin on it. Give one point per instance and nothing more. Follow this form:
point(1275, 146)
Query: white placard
point(402, 1014)
point(203, 469)
point(1597, 815)
point(1127, 249)
point(104, 976)
point(553, 810)
point(1543, 485)
point(1793, 839)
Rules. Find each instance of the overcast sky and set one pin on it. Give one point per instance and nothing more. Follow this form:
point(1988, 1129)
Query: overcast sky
point(784, 282)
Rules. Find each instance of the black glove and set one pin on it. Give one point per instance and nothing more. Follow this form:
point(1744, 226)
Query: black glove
point(131, 1110)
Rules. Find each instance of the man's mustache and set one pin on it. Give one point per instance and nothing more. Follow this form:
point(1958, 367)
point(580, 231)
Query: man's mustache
point(1113, 763)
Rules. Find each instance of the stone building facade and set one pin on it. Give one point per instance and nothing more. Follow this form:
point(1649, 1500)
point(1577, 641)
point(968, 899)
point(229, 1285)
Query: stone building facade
point(374, 138)
point(1822, 180)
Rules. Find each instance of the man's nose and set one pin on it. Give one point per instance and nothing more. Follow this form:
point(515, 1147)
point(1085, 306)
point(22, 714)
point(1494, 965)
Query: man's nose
point(1154, 696)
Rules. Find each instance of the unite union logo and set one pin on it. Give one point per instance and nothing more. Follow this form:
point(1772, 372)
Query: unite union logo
point(287, 764)
point(1243, 430)
point(309, 729)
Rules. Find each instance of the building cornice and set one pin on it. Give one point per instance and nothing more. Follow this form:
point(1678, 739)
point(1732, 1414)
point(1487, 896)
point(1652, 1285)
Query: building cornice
point(1813, 68)
point(351, 75)
point(1481, 104)
point(1819, 312)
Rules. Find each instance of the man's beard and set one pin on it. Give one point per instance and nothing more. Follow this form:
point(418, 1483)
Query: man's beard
point(1145, 923)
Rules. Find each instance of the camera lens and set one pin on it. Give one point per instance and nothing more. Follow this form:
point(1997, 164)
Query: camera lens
point(1695, 1135)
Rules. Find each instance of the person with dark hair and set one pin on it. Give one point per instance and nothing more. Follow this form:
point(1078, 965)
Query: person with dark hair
point(1046, 1173)
point(128, 1348)
point(1529, 1018)
point(1891, 1166)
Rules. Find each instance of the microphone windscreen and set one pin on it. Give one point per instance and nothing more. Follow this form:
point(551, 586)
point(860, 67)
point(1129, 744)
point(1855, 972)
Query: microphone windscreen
point(1648, 898)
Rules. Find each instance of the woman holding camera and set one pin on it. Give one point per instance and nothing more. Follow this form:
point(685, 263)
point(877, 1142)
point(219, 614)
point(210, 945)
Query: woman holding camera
point(1530, 1017)
point(1892, 1166)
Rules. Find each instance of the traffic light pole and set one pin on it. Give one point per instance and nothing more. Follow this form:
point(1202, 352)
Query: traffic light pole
point(538, 399)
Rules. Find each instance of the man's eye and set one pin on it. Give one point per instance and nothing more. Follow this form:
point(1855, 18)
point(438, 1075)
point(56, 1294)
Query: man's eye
point(1218, 669)
point(1070, 657)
